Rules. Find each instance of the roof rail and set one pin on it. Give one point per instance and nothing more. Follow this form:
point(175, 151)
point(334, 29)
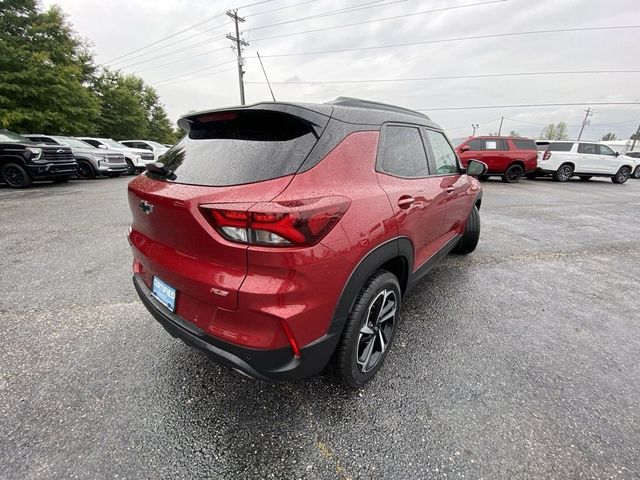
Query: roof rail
point(360, 103)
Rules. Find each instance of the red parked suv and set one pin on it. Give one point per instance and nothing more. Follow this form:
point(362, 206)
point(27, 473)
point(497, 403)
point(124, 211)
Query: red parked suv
point(508, 157)
point(278, 237)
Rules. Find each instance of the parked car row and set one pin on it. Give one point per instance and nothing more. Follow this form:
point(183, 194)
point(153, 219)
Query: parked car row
point(511, 158)
point(29, 157)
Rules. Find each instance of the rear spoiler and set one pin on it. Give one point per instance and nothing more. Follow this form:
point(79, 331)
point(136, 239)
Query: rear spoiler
point(317, 116)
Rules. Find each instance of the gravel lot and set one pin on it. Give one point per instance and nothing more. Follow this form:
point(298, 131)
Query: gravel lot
point(518, 361)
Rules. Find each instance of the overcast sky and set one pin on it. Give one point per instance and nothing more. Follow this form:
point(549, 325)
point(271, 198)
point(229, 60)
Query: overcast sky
point(117, 27)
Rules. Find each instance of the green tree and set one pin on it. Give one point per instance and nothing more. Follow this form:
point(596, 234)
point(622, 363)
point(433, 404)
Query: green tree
point(609, 137)
point(131, 109)
point(46, 72)
point(561, 131)
point(554, 132)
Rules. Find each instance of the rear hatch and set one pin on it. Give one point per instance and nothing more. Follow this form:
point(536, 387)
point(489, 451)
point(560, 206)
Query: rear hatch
point(231, 160)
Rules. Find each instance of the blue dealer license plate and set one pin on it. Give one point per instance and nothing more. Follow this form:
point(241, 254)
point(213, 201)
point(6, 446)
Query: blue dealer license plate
point(164, 293)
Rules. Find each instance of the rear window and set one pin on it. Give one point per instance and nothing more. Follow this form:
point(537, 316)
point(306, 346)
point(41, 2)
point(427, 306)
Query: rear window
point(522, 144)
point(560, 147)
point(234, 148)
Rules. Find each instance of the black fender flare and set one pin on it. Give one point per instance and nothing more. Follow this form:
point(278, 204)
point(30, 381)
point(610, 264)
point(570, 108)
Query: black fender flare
point(389, 250)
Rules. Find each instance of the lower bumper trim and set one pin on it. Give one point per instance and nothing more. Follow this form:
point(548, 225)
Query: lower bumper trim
point(269, 365)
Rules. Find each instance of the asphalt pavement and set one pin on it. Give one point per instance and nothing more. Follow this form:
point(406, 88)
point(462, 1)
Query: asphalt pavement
point(520, 360)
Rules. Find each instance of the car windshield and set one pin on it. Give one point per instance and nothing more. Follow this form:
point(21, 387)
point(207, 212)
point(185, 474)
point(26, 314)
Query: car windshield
point(10, 137)
point(155, 144)
point(112, 143)
point(74, 142)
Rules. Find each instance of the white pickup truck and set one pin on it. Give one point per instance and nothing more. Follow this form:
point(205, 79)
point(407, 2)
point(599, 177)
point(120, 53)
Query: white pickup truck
point(565, 159)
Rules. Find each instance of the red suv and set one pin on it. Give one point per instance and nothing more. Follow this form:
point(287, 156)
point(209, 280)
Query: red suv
point(278, 237)
point(509, 157)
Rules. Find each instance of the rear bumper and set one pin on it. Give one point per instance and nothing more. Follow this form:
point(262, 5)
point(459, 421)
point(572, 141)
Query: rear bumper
point(271, 365)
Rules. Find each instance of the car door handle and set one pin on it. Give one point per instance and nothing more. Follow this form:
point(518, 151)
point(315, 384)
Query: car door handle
point(406, 201)
point(449, 189)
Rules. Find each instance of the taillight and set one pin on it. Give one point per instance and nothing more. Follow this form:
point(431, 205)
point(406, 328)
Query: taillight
point(277, 224)
point(546, 155)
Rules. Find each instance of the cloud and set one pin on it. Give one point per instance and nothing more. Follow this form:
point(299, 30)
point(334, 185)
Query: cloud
point(119, 26)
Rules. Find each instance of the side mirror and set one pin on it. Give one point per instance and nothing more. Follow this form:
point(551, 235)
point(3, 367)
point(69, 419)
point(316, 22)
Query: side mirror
point(617, 154)
point(476, 168)
point(104, 147)
point(465, 148)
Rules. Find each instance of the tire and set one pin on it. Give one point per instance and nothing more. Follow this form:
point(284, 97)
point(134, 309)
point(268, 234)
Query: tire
point(483, 178)
point(61, 179)
point(622, 176)
point(360, 354)
point(564, 173)
point(15, 176)
point(471, 236)
point(131, 170)
point(513, 174)
point(636, 172)
point(86, 171)
point(586, 177)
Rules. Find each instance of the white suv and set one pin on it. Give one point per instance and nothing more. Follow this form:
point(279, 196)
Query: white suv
point(157, 148)
point(564, 160)
point(136, 158)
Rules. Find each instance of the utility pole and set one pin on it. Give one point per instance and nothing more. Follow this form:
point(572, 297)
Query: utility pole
point(585, 122)
point(635, 137)
point(239, 43)
point(475, 127)
point(500, 129)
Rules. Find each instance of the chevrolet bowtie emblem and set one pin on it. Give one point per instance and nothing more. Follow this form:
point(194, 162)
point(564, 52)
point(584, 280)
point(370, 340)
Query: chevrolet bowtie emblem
point(146, 207)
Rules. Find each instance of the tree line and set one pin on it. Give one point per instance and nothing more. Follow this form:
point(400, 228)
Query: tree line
point(50, 82)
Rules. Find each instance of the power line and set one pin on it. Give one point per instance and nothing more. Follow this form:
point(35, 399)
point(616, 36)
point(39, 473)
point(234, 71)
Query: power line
point(182, 49)
point(446, 40)
point(184, 30)
point(166, 54)
point(454, 77)
point(525, 105)
point(181, 60)
point(197, 71)
point(280, 8)
point(208, 74)
point(353, 8)
point(395, 17)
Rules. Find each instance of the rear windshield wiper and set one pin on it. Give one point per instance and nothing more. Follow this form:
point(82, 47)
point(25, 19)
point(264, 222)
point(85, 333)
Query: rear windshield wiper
point(158, 168)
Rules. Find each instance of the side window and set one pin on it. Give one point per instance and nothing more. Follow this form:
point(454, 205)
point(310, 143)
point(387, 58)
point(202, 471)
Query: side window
point(92, 142)
point(444, 157)
point(403, 153)
point(475, 145)
point(588, 148)
point(492, 144)
point(605, 150)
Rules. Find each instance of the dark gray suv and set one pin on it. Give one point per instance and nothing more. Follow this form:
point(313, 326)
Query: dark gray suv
point(92, 161)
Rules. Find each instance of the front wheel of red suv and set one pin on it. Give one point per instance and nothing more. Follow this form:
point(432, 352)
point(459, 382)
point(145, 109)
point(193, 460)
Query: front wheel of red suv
point(369, 330)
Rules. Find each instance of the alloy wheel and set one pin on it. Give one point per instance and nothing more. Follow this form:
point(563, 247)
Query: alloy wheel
point(377, 329)
point(84, 170)
point(565, 173)
point(13, 176)
point(514, 174)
